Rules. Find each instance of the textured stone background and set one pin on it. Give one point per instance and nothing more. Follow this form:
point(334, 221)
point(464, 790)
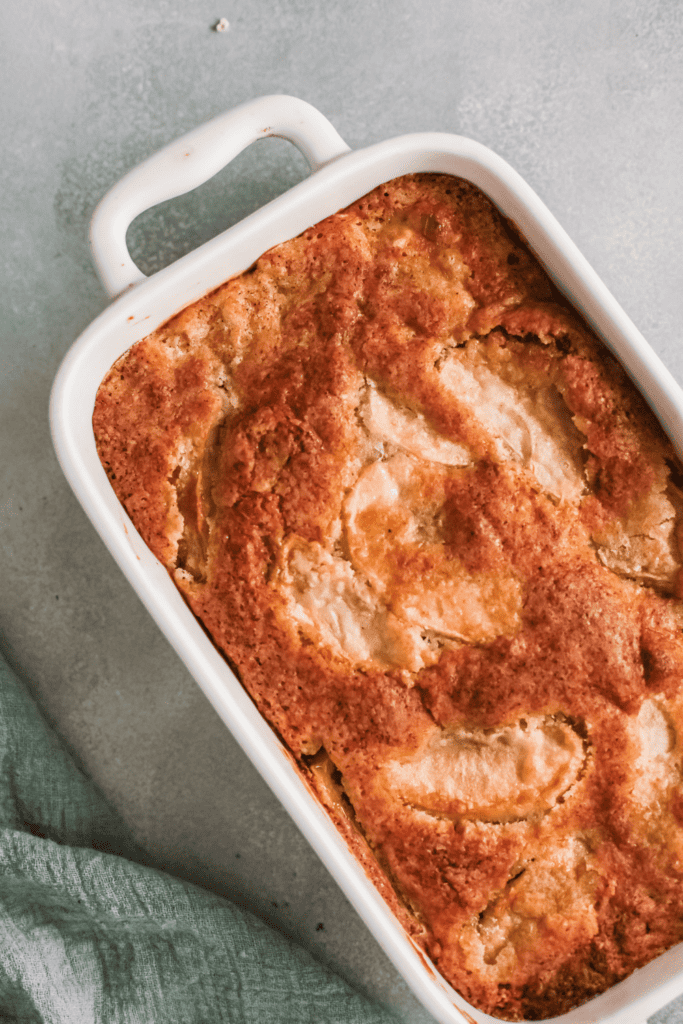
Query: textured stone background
point(584, 98)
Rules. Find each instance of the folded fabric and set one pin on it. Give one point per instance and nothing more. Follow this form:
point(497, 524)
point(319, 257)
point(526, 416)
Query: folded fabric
point(89, 935)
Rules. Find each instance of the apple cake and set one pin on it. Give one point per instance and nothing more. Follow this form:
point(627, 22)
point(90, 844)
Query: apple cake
point(436, 532)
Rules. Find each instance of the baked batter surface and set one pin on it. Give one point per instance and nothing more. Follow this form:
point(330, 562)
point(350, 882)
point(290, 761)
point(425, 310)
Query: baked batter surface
point(436, 531)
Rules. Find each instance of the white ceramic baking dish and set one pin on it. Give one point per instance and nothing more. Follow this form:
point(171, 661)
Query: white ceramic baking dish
point(338, 177)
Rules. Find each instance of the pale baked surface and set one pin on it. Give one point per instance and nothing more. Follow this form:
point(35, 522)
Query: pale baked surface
point(436, 531)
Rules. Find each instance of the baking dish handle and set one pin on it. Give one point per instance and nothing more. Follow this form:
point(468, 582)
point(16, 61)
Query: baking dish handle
point(193, 159)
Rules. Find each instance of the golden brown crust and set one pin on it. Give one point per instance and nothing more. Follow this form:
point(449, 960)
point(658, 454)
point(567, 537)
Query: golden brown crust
point(427, 518)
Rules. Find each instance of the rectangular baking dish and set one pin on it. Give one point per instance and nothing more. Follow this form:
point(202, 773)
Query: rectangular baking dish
point(338, 177)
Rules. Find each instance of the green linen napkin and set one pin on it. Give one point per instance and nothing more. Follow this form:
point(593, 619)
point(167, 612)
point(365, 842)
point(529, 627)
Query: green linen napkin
point(88, 935)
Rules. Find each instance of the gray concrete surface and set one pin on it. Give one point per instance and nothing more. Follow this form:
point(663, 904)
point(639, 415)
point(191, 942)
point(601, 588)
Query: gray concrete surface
point(584, 98)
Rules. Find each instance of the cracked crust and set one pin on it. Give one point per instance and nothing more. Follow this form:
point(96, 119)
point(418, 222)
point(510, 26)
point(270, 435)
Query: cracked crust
point(437, 532)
